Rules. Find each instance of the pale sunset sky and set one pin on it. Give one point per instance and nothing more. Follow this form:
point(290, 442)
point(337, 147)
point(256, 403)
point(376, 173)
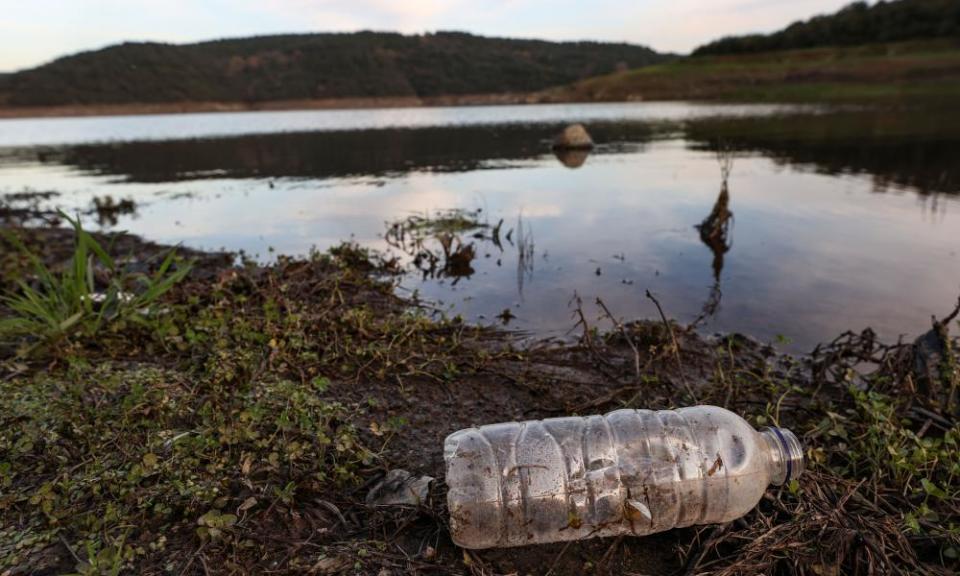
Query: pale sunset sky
point(33, 32)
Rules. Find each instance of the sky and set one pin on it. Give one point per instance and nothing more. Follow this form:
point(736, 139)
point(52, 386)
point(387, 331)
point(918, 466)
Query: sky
point(33, 32)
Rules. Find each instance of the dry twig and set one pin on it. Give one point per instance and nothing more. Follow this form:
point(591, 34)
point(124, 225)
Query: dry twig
point(674, 344)
point(626, 336)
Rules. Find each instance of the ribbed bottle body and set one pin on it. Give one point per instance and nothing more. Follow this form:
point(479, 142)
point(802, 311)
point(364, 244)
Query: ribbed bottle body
point(628, 472)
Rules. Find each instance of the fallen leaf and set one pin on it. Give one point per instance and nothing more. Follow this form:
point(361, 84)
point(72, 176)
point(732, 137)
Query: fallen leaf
point(150, 460)
point(330, 565)
point(247, 504)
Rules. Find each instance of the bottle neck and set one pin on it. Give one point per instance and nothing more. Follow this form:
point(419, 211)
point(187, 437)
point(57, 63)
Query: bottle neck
point(785, 455)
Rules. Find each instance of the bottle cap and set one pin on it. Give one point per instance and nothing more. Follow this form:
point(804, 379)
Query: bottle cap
point(786, 454)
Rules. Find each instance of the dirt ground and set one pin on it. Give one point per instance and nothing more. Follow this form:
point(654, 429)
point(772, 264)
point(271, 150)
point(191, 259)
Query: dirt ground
point(389, 379)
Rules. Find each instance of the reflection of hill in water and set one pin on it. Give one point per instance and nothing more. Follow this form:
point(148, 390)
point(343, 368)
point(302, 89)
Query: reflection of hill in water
point(898, 149)
point(323, 154)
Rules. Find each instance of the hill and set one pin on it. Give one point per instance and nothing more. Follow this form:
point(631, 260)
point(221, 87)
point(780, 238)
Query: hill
point(908, 71)
point(856, 24)
point(315, 66)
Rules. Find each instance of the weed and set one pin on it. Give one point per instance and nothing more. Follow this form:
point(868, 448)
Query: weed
point(879, 445)
point(440, 244)
point(231, 420)
point(162, 450)
point(60, 305)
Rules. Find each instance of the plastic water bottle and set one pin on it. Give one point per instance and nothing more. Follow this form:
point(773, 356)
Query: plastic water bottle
point(632, 472)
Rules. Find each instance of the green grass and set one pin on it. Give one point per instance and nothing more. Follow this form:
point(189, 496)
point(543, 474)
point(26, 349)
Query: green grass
point(904, 72)
point(883, 449)
point(159, 453)
point(57, 306)
point(203, 427)
point(851, 92)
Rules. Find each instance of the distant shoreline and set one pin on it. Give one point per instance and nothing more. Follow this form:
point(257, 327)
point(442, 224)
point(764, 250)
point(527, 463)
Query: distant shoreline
point(918, 73)
point(80, 110)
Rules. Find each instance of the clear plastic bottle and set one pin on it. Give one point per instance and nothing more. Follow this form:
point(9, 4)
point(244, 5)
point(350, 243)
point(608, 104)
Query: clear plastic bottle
point(629, 472)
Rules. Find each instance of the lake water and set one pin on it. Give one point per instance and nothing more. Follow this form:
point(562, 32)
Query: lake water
point(840, 219)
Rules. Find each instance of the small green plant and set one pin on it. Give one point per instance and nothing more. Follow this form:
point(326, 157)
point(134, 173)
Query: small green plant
point(59, 305)
point(886, 447)
point(875, 442)
point(106, 560)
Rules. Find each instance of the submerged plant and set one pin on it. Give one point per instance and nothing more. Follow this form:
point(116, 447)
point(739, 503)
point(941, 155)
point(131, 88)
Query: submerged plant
point(59, 305)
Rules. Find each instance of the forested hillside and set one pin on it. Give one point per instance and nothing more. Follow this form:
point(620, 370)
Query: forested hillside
point(857, 23)
point(315, 66)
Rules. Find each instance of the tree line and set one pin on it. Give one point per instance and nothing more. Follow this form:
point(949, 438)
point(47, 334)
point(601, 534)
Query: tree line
point(857, 23)
point(317, 66)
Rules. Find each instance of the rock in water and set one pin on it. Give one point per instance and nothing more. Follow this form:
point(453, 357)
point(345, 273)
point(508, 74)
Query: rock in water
point(571, 158)
point(573, 137)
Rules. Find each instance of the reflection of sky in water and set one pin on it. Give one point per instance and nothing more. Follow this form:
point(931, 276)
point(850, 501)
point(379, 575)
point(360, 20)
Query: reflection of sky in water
point(45, 131)
point(813, 255)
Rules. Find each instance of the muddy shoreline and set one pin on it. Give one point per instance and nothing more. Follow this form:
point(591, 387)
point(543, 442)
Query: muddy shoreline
point(239, 429)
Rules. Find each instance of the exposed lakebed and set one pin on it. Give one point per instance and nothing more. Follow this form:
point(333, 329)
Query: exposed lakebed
point(841, 219)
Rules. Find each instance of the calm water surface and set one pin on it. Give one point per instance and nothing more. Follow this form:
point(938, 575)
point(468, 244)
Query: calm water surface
point(841, 220)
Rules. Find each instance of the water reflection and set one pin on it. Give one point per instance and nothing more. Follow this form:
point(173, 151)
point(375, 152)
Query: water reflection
point(29, 207)
point(318, 155)
point(716, 229)
point(899, 150)
point(525, 254)
point(445, 244)
point(571, 158)
point(108, 211)
point(442, 245)
point(818, 250)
